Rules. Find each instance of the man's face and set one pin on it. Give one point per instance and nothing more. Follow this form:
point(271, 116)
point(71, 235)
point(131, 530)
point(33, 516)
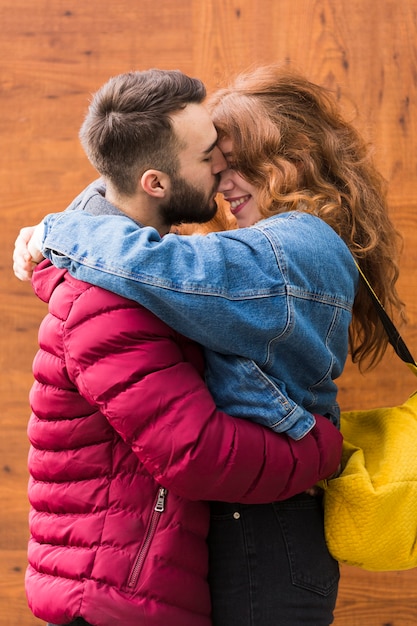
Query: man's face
point(194, 187)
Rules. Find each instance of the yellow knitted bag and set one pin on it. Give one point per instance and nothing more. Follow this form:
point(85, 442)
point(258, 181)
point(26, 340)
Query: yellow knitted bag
point(370, 509)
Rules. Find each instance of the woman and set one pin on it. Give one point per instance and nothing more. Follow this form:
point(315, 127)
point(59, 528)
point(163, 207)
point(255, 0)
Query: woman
point(276, 306)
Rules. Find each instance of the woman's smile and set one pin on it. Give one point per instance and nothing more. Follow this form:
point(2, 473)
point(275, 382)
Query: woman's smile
point(237, 204)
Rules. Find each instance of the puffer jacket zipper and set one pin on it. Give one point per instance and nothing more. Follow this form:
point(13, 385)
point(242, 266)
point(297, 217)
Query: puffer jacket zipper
point(159, 508)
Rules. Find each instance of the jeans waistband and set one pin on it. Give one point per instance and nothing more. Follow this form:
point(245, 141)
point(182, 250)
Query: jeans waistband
point(77, 622)
point(223, 508)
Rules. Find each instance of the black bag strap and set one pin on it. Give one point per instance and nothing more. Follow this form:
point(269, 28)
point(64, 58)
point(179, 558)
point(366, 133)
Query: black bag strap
point(394, 336)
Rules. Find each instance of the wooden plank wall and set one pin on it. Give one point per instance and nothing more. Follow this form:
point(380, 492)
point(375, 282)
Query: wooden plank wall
point(54, 53)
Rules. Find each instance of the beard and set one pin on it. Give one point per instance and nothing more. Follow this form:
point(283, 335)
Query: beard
point(188, 204)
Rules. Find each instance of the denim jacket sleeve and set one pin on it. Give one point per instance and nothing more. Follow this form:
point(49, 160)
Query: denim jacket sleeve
point(221, 290)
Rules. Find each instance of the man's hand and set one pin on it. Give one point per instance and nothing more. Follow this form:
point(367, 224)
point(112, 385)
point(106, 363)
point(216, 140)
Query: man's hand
point(26, 253)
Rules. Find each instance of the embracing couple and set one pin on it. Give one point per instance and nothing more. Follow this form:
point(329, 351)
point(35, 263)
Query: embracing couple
point(184, 404)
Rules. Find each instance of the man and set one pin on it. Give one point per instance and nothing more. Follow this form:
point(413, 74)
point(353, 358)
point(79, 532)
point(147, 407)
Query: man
point(127, 443)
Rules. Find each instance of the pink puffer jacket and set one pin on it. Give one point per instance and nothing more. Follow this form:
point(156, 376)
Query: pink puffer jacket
point(126, 444)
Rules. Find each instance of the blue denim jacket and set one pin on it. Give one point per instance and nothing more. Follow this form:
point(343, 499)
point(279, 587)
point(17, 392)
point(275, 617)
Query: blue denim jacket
point(271, 303)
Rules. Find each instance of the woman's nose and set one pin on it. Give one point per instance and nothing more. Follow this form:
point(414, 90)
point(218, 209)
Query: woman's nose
point(219, 162)
point(226, 182)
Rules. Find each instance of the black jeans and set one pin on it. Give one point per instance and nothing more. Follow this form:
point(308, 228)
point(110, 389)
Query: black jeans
point(77, 622)
point(269, 564)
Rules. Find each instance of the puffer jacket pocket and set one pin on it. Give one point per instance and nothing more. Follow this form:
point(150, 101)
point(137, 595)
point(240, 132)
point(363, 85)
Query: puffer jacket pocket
point(158, 510)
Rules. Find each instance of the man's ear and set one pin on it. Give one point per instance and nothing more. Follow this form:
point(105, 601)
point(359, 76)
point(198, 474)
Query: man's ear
point(155, 183)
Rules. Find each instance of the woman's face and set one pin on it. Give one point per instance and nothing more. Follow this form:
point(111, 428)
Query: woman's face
point(241, 195)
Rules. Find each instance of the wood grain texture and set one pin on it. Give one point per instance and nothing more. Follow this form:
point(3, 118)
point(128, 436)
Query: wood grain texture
point(55, 53)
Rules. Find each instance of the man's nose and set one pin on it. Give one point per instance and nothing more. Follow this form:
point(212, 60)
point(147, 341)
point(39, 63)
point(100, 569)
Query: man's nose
point(218, 161)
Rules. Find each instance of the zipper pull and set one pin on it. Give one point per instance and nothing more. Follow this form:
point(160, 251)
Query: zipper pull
point(160, 503)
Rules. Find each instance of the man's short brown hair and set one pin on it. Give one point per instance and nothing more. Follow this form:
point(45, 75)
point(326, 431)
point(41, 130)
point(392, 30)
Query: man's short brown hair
point(128, 128)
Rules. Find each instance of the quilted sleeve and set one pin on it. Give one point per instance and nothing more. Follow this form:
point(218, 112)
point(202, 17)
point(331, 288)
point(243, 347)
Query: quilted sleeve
point(133, 367)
